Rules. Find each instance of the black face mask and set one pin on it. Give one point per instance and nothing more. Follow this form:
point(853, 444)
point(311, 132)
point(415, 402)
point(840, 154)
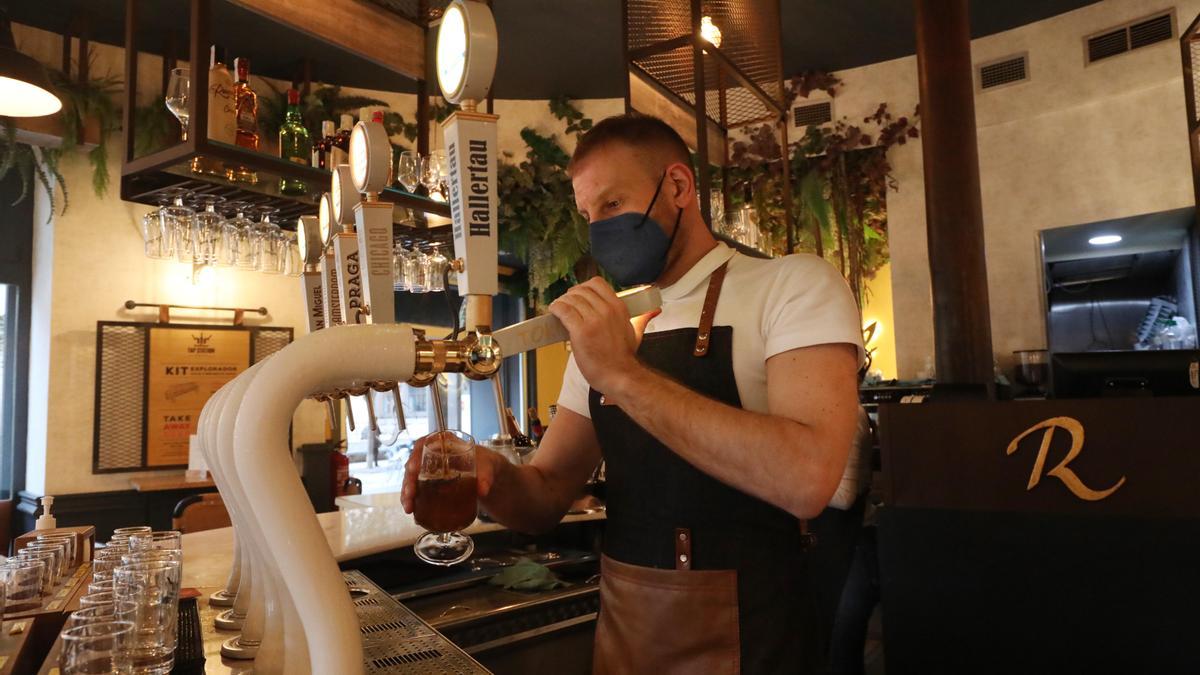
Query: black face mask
point(632, 247)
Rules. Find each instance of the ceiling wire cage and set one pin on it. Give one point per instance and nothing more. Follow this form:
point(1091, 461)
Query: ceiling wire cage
point(727, 82)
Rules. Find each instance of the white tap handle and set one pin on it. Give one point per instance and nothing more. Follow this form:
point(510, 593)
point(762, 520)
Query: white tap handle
point(547, 329)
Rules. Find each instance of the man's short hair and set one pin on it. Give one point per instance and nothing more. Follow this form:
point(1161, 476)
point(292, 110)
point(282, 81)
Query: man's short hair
point(649, 136)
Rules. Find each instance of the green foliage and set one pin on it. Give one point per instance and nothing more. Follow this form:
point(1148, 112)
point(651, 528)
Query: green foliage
point(155, 128)
point(538, 220)
point(24, 160)
point(841, 175)
point(84, 101)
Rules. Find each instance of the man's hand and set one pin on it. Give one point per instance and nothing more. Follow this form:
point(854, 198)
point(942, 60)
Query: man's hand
point(485, 473)
point(602, 339)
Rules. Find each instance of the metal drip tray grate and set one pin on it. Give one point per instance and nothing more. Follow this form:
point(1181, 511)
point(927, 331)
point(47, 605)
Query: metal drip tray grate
point(397, 641)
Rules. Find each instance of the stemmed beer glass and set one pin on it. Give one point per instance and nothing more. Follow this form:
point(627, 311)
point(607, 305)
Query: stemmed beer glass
point(446, 497)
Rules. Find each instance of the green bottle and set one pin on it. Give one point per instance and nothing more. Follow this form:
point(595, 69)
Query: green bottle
point(294, 144)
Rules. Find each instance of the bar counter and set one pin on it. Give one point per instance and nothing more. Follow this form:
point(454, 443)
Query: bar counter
point(352, 533)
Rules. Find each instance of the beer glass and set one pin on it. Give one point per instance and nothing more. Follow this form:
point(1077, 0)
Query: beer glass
point(446, 498)
point(23, 581)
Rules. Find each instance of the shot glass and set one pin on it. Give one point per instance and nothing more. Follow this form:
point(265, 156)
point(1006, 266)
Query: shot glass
point(101, 647)
point(147, 595)
point(23, 582)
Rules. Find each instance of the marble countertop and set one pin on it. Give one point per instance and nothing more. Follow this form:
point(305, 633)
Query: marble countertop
point(351, 532)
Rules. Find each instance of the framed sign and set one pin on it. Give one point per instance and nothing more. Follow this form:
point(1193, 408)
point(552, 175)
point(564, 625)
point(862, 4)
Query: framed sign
point(153, 379)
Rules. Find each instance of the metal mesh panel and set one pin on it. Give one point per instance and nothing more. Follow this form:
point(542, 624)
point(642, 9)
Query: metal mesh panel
point(121, 398)
point(267, 341)
point(1194, 51)
point(749, 38)
point(119, 408)
point(395, 640)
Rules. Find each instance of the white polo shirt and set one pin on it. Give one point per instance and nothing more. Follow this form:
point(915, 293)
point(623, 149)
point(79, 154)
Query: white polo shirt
point(773, 305)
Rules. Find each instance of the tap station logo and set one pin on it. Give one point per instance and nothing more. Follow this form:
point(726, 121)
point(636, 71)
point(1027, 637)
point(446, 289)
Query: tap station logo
point(200, 344)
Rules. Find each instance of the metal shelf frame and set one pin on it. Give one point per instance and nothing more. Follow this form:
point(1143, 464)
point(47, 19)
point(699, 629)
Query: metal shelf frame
point(142, 178)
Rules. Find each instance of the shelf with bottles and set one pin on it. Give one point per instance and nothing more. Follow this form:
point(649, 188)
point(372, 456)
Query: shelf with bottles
point(220, 149)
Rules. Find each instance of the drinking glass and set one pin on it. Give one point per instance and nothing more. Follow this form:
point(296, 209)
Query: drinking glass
point(177, 221)
point(437, 262)
point(446, 497)
point(50, 576)
point(207, 230)
point(90, 615)
point(266, 242)
point(3, 590)
point(414, 266)
point(69, 538)
point(149, 597)
point(408, 171)
point(156, 246)
point(97, 599)
point(58, 549)
point(165, 540)
point(290, 260)
point(23, 581)
point(716, 208)
point(434, 172)
point(96, 648)
point(398, 256)
point(237, 237)
point(101, 586)
point(132, 529)
point(1033, 368)
point(178, 88)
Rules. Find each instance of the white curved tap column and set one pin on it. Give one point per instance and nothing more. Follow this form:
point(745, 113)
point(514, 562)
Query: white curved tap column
point(299, 560)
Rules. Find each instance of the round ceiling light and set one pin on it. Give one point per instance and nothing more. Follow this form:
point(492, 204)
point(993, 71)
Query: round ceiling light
point(25, 90)
point(466, 51)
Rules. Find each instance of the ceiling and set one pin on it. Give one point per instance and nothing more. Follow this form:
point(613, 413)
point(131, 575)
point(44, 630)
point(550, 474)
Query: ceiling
point(559, 47)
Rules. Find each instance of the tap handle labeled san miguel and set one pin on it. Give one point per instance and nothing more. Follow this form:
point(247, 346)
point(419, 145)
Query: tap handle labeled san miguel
point(370, 169)
point(312, 252)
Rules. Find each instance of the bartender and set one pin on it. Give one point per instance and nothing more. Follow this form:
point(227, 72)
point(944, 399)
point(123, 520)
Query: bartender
point(725, 420)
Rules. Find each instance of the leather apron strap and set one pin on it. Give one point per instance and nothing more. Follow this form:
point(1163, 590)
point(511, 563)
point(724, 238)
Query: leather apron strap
point(704, 332)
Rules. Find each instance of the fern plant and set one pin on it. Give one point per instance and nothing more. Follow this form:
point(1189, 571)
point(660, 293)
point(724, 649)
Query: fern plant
point(30, 168)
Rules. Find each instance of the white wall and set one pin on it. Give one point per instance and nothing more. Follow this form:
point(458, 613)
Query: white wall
point(1072, 145)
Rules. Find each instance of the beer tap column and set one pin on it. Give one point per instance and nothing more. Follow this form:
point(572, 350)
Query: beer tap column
point(312, 252)
point(370, 170)
point(343, 199)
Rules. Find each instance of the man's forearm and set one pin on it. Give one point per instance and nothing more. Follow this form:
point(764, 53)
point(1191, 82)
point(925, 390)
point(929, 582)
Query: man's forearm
point(522, 499)
point(770, 457)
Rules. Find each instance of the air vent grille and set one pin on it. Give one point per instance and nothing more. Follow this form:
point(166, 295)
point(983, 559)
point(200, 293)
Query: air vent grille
point(1109, 44)
point(1002, 72)
point(1150, 31)
point(1141, 33)
point(812, 114)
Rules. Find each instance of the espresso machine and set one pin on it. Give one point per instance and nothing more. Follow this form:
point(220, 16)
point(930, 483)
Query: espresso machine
point(296, 611)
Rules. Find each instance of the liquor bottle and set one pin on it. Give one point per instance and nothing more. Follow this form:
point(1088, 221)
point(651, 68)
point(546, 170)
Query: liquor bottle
point(247, 106)
point(340, 145)
point(536, 431)
point(326, 141)
point(294, 144)
point(222, 108)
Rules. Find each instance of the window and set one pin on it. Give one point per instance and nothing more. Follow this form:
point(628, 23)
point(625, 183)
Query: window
point(16, 230)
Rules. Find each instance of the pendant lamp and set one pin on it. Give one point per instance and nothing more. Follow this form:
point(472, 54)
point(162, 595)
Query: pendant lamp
point(25, 89)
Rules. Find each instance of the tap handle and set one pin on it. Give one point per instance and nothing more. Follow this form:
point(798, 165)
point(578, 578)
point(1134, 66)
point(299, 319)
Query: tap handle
point(547, 329)
point(400, 421)
point(371, 421)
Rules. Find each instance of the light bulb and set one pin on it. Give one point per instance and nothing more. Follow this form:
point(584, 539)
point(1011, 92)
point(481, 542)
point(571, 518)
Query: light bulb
point(709, 31)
